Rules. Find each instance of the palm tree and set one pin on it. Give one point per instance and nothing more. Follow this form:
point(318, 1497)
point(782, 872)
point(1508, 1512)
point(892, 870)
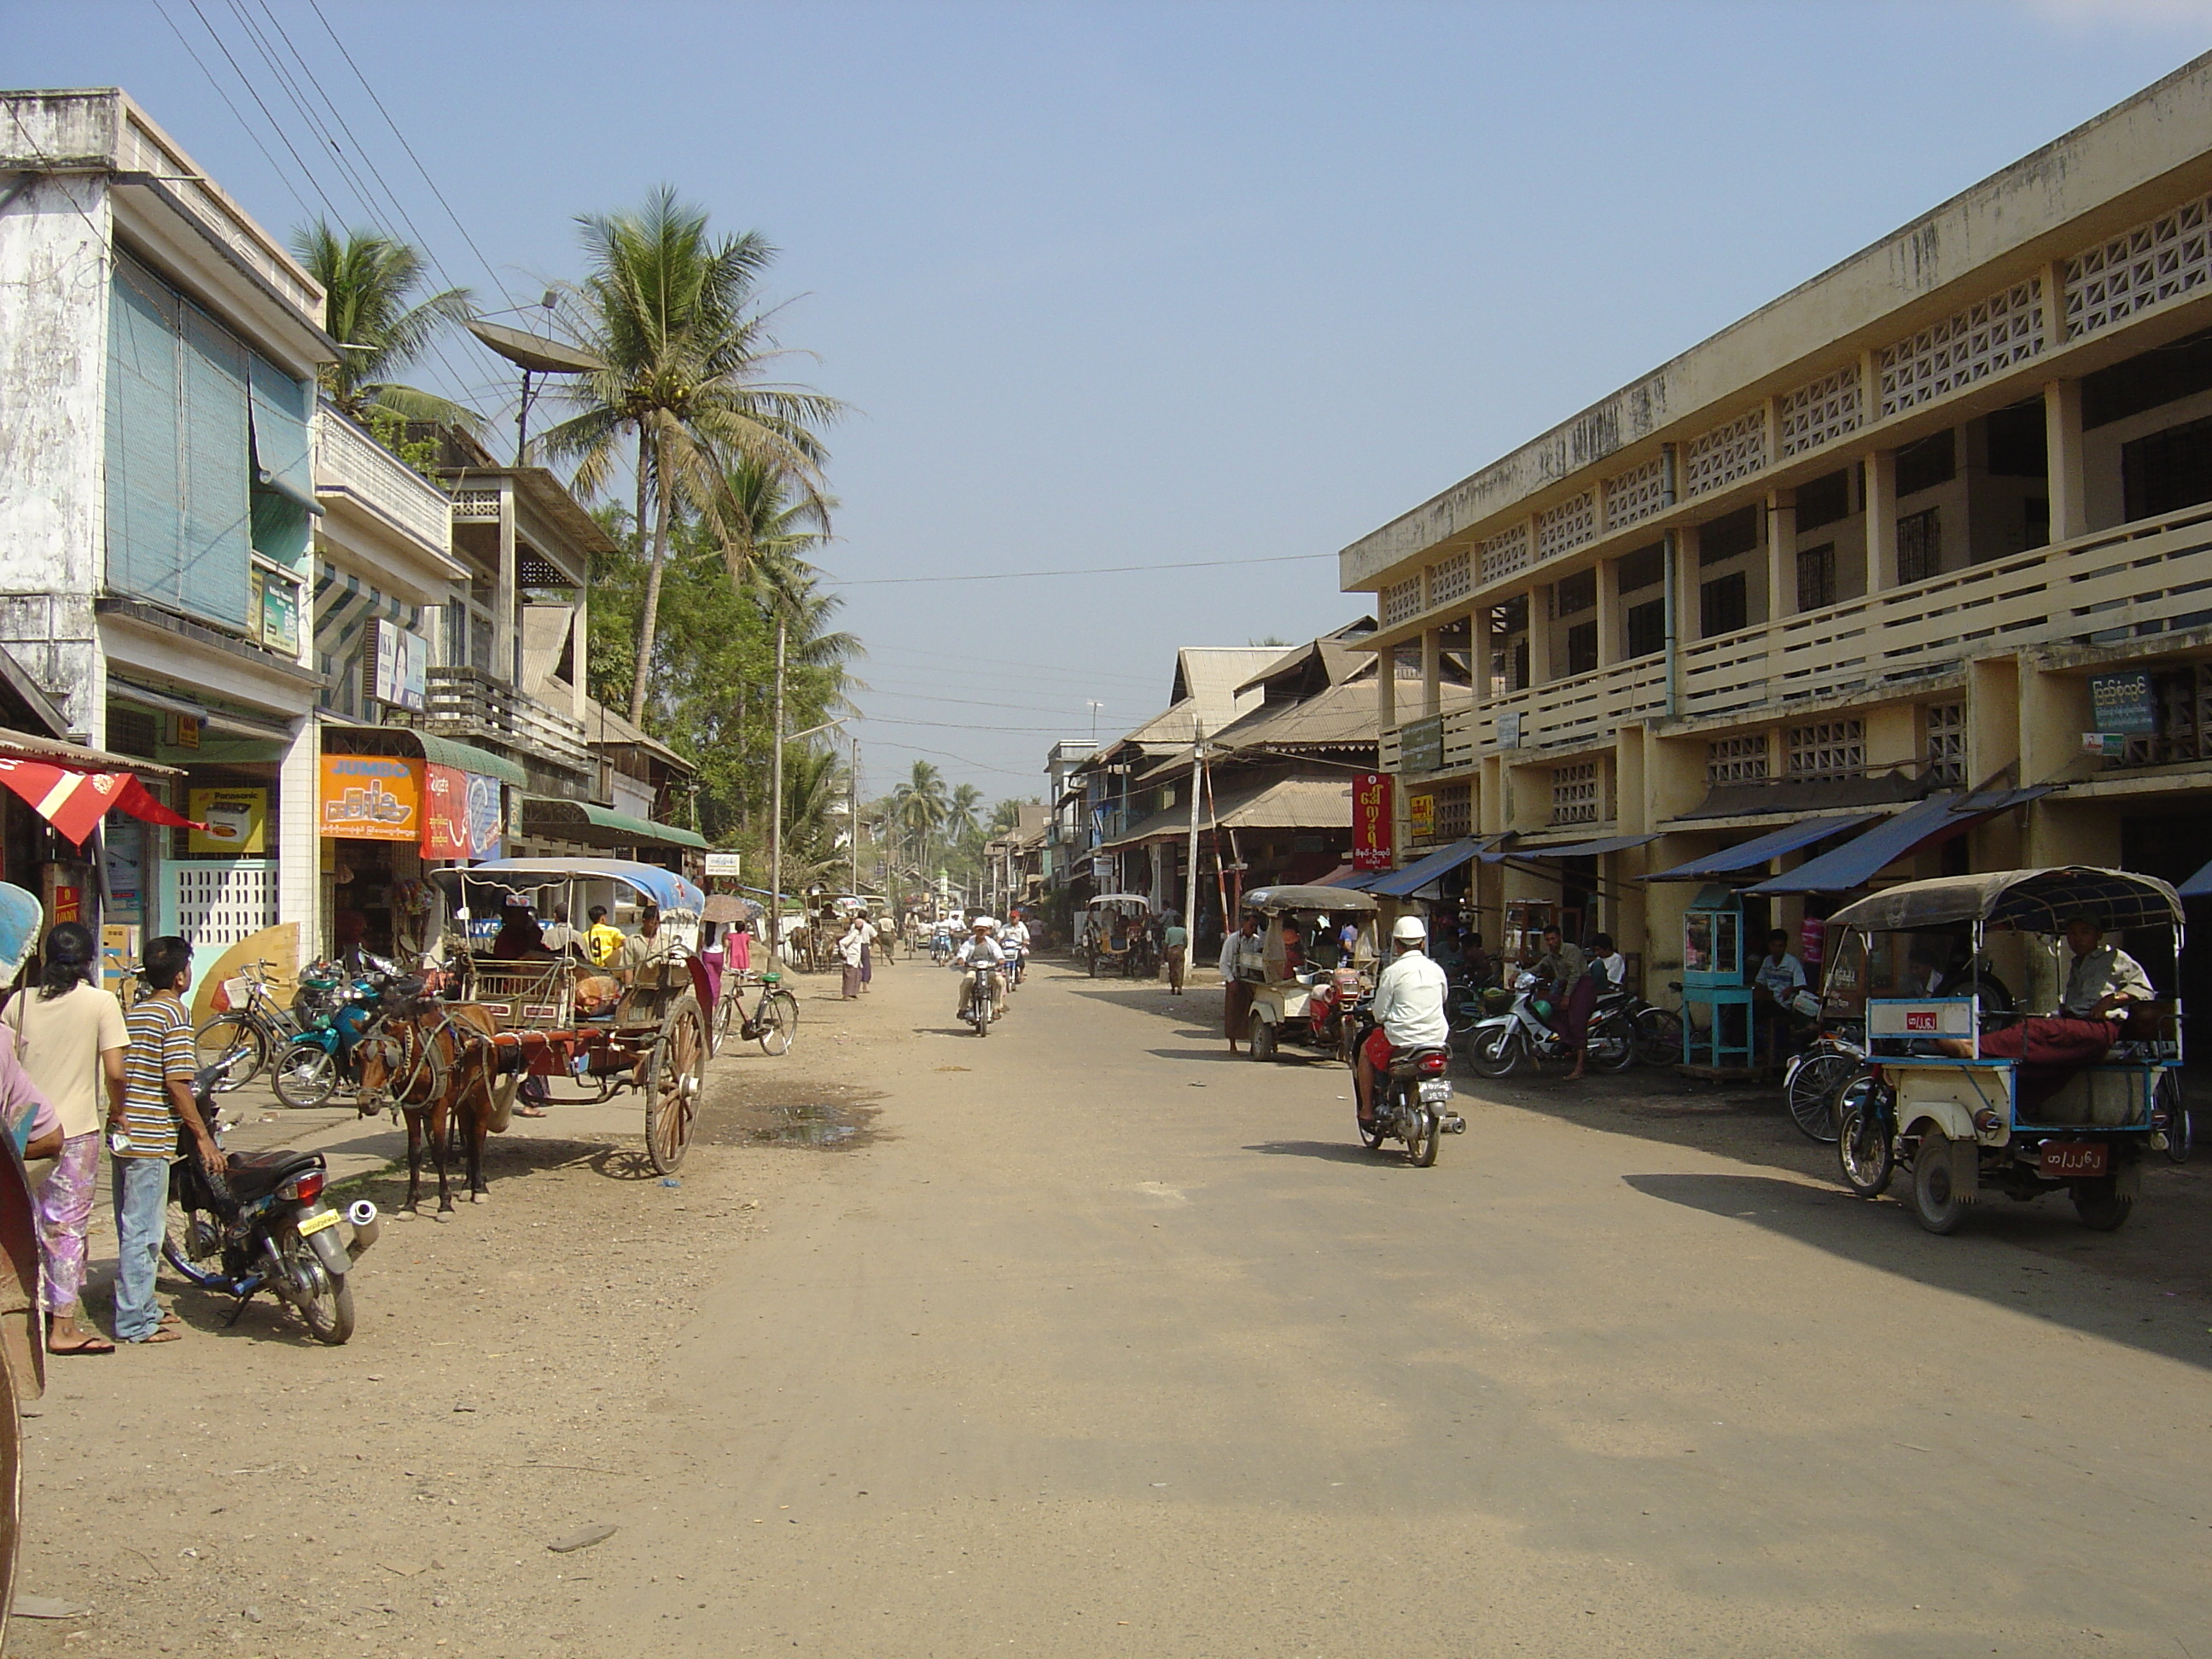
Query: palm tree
point(368, 281)
point(963, 811)
point(675, 316)
point(919, 804)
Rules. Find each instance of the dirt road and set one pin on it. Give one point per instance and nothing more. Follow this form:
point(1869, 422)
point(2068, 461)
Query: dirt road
point(1107, 1345)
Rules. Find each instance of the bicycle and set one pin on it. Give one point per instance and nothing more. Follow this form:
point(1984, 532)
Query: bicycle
point(773, 1021)
point(241, 1036)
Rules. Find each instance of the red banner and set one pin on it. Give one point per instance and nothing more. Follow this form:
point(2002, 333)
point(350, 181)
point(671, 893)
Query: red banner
point(445, 813)
point(75, 801)
point(1370, 820)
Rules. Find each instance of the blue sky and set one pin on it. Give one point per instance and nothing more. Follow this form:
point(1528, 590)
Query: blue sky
point(1126, 284)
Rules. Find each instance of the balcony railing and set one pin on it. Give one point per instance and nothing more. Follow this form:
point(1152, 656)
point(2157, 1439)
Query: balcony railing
point(2141, 579)
point(348, 461)
point(468, 704)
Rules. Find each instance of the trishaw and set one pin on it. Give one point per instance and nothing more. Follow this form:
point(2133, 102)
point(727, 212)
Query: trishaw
point(602, 1029)
point(1111, 916)
point(1967, 1122)
point(1308, 987)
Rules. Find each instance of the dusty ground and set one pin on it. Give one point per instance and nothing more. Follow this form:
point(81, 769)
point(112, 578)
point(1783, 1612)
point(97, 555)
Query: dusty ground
point(246, 1491)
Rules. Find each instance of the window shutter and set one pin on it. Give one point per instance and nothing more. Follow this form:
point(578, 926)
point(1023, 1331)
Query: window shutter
point(280, 411)
point(145, 485)
point(217, 455)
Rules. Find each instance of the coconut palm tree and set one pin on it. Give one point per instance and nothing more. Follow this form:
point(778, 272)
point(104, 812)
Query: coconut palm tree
point(963, 810)
point(368, 284)
point(675, 316)
point(920, 803)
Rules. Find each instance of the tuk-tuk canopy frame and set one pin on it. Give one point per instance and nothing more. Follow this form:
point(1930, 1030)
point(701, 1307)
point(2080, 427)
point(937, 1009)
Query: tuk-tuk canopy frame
point(2024, 901)
point(1273, 901)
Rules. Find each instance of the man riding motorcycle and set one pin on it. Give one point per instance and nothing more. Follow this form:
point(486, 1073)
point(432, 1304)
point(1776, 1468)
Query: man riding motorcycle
point(979, 946)
point(1408, 1011)
point(1015, 938)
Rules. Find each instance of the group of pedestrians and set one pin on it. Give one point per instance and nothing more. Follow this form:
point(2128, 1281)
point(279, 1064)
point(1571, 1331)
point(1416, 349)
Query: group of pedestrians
point(856, 952)
point(72, 1066)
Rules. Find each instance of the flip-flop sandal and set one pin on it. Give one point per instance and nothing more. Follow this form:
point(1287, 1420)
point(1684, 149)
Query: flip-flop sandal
point(530, 1111)
point(88, 1345)
point(161, 1334)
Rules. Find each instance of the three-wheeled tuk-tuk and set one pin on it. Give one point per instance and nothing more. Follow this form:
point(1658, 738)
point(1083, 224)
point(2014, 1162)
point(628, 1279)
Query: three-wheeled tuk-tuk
point(1971, 1099)
point(1116, 937)
point(1310, 987)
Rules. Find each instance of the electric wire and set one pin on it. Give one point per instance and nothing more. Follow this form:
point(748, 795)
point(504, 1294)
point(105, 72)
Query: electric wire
point(276, 170)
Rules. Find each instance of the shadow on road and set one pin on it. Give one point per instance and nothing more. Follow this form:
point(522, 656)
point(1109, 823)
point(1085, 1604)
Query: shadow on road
point(1993, 1258)
point(1330, 1152)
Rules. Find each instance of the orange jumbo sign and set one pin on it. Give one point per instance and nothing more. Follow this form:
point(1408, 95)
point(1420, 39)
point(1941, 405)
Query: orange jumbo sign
point(372, 797)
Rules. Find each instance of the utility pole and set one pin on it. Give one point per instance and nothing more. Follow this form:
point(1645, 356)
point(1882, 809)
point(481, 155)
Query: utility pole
point(775, 814)
point(1190, 876)
point(853, 810)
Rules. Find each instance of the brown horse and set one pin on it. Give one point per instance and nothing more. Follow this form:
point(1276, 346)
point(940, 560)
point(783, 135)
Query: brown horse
point(436, 1066)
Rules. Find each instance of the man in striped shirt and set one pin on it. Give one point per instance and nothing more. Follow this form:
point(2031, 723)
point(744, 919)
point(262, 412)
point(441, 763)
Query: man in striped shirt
point(158, 1063)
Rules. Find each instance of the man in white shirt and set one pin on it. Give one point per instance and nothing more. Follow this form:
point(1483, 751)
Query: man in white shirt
point(1243, 960)
point(979, 946)
point(1409, 1010)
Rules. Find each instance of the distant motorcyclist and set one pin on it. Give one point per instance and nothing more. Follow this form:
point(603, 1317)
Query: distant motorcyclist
point(1408, 1010)
point(979, 946)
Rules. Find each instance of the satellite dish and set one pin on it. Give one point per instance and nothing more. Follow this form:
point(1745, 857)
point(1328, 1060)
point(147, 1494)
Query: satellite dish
point(533, 351)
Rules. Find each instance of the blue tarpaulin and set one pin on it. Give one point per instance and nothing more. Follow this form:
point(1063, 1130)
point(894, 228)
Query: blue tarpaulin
point(1402, 884)
point(1750, 854)
point(1858, 860)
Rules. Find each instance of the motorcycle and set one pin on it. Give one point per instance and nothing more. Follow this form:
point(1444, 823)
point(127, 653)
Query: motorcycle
point(1499, 1045)
point(260, 1224)
point(1412, 1103)
point(978, 1006)
point(320, 1059)
point(1017, 965)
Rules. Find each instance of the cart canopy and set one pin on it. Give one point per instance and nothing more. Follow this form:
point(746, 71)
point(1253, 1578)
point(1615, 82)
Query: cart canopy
point(2029, 901)
point(1136, 899)
point(1270, 900)
point(670, 892)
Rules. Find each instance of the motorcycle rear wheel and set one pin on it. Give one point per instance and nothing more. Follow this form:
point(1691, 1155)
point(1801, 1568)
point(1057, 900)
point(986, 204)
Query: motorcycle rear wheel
point(328, 1307)
point(1612, 1044)
point(1863, 1147)
point(1428, 1132)
point(305, 1075)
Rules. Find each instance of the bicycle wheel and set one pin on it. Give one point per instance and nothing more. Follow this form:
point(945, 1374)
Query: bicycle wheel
point(236, 1044)
point(1814, 1087)
point(729, 1015)
point(1659, 1036)
point(778, 1021)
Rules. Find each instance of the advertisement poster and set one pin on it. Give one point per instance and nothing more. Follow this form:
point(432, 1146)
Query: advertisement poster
point(445, 813)
point(1370, 820)
point(1421, 744)
point(487, 822)
point(1421, 817)
point(371, 798)
point(2121, 703)
point(400, 664)
point(237, 823)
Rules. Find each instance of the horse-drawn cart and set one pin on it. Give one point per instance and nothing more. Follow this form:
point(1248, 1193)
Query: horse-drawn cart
point(596, 1030)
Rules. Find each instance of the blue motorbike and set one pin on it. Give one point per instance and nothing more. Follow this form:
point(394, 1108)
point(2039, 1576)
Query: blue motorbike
point(319, 1061)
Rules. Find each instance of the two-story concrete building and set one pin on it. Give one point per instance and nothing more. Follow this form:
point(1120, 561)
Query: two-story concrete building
point(1850, 579)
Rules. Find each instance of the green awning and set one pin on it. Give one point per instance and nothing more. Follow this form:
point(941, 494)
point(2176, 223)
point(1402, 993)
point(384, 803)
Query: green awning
point(599, 826)
point(405, 742)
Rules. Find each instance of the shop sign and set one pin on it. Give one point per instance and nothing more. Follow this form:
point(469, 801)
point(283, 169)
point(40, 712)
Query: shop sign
point(2110, 745)
point(400, 664)
point(236, 820)
point(1421, 744)
point(445, 813)
point(276, 612)
point(1421, 817)
point(723, 863)
point(371, 798)
point(2121, 703)
point(1509, 728)
point(1370, 820)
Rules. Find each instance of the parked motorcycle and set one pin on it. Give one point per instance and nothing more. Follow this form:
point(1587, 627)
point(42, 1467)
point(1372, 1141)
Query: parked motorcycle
point(1500, 1043)
point(261, 1224)
point(320, 1060)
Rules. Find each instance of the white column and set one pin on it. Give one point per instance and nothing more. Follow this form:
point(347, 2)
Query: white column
point(1433, 657)
point(1781, 553)
point(299, 844)
point(1386, 689)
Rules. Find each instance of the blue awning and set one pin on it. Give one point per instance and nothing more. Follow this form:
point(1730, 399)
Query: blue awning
point(1402, 884)
point(2198, 885)
point(1750, 854)
point(1858, 860)
point(1583, 850)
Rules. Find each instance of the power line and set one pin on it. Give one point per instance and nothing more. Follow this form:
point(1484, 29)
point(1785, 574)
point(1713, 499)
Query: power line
point(244, 126)
point(1094, 570)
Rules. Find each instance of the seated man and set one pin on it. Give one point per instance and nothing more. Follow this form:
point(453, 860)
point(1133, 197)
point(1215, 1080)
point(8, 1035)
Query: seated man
point(646, 947)
point(2101, 981)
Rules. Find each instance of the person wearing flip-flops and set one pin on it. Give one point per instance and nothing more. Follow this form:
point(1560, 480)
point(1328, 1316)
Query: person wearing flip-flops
point(69, 1036)
point(144, 1127)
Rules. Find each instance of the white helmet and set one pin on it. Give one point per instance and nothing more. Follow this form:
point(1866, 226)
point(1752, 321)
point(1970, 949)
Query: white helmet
point(982, 921)
point(1410, 930)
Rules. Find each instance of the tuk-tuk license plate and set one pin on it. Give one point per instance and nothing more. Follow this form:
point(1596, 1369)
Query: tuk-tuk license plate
point(2065, 1159)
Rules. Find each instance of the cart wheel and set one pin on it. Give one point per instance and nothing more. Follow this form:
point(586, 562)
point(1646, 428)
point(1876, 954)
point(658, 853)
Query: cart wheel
point(2101, 1205)
point(1863, 1147)
point(778, 1022)
point(1936, 1203)
point(671, 1087)
point(1263, 1039)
